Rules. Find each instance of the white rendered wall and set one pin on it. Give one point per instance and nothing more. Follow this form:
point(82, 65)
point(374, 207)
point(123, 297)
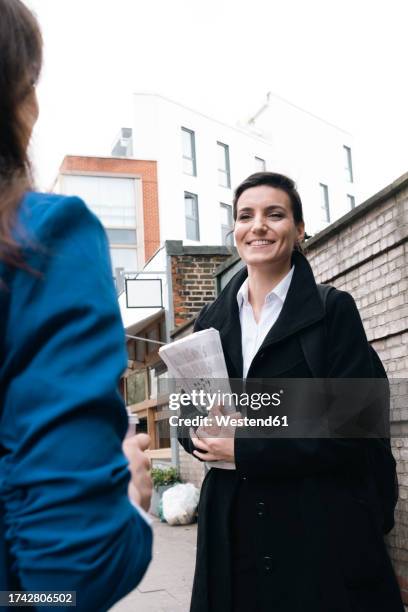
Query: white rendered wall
point(156, 268)
point(311, 151)
point(294, 142)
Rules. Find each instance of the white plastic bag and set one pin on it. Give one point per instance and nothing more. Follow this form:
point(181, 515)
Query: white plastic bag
point(180, 504)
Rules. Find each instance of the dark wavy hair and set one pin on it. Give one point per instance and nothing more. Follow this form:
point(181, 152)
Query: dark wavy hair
point(272, 179)
point(20, 66)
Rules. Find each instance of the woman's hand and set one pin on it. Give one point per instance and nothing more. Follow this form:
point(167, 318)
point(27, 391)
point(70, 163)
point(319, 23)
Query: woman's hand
point(140, 485)
point(215, 442)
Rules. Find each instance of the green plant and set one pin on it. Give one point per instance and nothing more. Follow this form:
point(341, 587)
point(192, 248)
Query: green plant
point(164, 476)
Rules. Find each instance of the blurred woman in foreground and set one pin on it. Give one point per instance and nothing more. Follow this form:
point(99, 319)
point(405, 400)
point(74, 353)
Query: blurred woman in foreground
point(66, 521)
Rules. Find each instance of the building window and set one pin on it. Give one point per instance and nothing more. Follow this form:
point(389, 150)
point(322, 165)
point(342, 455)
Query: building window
point(226, 224)
point(191, 214)
point(189, 153)
point(351, 201)
point(324, 199)
point(121, 236)
point(113, 199)
point(348, 164)
point(224, 173)
point(260, 165)
point(123, 258)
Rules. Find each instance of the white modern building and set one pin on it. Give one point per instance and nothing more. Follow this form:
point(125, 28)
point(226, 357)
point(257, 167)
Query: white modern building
point(171, 175)
point(201, 160)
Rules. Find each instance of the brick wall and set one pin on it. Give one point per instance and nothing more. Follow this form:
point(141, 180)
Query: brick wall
point(366, 253)
point(192, 272)
point(144, 169)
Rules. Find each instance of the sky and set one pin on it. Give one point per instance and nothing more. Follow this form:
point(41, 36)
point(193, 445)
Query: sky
point(343, 60)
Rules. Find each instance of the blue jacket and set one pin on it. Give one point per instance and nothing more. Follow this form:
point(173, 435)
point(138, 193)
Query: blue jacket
point(65, 519)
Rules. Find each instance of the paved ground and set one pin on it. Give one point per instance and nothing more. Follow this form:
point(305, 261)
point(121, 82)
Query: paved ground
point(167, 584)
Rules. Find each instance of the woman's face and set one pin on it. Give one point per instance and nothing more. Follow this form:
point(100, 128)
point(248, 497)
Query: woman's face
point(265, 231)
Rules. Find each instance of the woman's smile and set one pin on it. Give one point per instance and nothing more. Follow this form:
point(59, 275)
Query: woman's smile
point(260, 243)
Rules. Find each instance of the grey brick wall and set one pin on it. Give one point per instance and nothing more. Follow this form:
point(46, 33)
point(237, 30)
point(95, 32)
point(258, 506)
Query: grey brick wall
point(366, 253)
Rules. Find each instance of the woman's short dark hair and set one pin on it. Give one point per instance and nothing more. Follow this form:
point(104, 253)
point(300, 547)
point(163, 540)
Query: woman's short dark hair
point(20, 66)
point(272, 179)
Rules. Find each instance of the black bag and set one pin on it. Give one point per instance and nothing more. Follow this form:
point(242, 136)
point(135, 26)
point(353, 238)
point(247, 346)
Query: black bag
point(314, 347)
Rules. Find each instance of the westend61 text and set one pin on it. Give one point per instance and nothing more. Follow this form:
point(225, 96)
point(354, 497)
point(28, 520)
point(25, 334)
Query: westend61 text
point(228, 421)
point(210, 400)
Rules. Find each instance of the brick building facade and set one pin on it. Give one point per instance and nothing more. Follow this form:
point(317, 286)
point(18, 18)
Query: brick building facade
point(144, 170)
point(192, 273)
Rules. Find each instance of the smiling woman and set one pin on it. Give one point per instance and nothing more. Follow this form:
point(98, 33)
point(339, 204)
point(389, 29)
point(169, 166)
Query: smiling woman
point(294, 511)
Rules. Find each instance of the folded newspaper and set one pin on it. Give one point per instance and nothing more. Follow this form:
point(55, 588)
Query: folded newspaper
point(197, 363)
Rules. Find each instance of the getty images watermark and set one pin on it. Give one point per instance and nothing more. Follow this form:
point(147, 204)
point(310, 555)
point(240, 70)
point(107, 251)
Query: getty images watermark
point(289, 408)
point(229, 401)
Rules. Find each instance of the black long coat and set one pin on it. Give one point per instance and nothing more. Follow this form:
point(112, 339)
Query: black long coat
point(311, 506)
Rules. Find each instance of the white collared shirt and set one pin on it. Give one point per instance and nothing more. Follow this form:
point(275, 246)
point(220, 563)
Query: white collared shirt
point(253, 333)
